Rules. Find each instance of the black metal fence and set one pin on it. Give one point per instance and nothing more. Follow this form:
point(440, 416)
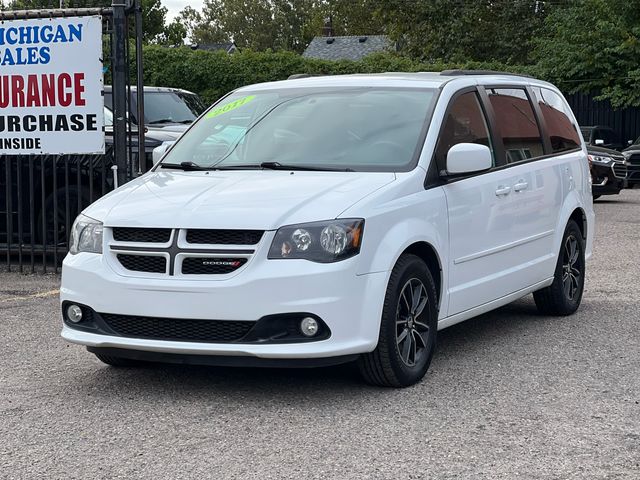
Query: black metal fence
point(589, 111)
point(40, 195)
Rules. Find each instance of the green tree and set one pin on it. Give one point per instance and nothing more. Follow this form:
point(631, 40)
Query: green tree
point(200, 27)
point(173, 34)
point(454, 30)
point(594, 45)
point(278, 24)
point(154, 16)
point(355, 17)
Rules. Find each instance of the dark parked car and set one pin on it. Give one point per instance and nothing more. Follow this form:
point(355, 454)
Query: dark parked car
point(42, 194)
point(166, 109)
point(608, 171)
point(632, 154)
point(601, 136)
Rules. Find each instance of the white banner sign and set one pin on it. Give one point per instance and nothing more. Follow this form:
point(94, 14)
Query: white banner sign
point(51, 86)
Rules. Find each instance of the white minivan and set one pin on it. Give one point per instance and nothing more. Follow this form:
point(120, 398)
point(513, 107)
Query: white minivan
point(333, 219)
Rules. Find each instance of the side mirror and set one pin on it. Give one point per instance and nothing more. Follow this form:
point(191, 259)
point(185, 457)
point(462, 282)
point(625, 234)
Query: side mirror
point(468, 158)
point(629, 142)
point(598, 142)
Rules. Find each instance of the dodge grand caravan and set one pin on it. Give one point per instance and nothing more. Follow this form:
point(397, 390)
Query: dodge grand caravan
point(334, 219)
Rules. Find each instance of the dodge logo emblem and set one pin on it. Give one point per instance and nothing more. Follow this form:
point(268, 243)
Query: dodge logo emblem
point(223, 263)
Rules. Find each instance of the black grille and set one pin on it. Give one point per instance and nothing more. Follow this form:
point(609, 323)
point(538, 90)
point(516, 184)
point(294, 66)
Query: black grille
point(143, 263)
point(224, 237)
point(633, 171)
point(634, 159)
point(151, 235)
point(211, 266)
point(620, 170)
point(177, 329)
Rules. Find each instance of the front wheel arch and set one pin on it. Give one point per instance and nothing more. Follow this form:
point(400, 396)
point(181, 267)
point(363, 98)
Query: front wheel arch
point(428, 254)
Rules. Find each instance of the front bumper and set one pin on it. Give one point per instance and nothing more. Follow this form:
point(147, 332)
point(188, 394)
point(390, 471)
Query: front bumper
point(608, 179)
point(350, 305)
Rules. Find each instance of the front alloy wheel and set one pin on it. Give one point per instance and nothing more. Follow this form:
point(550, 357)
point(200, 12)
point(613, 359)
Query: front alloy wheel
point(408, 327)
point(412, 334)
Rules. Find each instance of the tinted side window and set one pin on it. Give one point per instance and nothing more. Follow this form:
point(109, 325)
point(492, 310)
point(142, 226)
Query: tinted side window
point(516, 123)
point(465, 123)
point(563, 133)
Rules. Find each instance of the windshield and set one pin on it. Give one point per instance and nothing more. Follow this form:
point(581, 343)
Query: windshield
point(586, 134)
point(356, 129)
point(171, 107)
point(164, 107)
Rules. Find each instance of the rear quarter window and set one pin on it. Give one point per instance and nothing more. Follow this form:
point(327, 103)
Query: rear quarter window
point(557, 118)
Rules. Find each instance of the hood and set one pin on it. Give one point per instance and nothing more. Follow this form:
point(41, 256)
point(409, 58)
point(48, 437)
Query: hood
point(173, 129)
point(634, 148)
point(593, 150)
point(162, 135)
point(261, 200)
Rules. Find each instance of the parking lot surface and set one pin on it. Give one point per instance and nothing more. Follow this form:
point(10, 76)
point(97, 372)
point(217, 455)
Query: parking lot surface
point(510, 394)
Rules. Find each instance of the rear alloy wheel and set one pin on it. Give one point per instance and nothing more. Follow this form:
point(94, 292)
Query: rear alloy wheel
point(564, 295)
point(408, 328)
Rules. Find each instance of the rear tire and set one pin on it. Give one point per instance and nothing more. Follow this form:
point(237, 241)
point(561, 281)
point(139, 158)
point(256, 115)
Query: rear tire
point(564, 295)
point(408, 327)
point(118, 362)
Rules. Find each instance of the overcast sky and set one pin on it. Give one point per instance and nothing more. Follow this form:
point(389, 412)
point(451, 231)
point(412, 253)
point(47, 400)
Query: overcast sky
point(175, 6)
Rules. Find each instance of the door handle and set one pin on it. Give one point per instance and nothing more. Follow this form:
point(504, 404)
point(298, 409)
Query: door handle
point(503, 190)
point(521, 185)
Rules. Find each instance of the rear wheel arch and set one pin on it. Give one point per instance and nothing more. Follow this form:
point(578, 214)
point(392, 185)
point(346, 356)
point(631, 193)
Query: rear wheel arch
point(578, 215)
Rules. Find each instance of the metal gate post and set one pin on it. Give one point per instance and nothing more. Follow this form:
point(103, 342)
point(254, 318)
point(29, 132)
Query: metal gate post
point(120, 72)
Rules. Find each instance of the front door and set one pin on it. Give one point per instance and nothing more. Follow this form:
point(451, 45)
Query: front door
point(501, 220)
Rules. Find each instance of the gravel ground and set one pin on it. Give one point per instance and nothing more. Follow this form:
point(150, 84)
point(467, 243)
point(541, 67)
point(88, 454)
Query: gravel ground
point(509, 394)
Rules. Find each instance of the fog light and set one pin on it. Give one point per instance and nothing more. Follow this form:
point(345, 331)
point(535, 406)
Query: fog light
point(74, 313)
point(309, 326)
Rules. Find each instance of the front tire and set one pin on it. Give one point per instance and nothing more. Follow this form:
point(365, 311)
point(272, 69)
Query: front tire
point(408, 327)
point(564, 295)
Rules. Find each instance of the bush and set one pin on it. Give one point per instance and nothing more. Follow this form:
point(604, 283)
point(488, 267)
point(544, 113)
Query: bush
point(213, 74)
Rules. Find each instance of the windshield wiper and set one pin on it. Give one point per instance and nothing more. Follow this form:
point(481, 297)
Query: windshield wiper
point(187, 166)
point(191, 166)
point(309, 168)
point(163, 120)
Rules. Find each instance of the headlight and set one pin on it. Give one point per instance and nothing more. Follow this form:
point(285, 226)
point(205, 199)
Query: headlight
point(602, 160)
point(86, 236)
point(322, 242)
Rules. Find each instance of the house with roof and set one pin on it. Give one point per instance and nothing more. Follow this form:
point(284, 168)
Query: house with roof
point(348, 47)
point(227, 47)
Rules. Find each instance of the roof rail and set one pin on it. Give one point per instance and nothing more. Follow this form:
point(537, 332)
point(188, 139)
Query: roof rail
point(458, 72)
point(305, 75)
